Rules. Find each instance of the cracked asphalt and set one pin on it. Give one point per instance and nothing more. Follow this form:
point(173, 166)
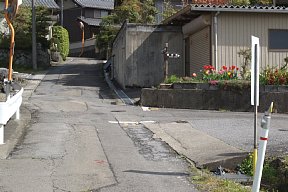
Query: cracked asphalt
point(70, 145)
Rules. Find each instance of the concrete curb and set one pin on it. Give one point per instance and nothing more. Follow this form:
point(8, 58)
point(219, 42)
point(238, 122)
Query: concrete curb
point(205, 151)
point(14, 130)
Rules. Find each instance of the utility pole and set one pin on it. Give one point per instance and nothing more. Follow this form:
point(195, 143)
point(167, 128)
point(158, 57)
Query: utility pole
point(165, 52)
point(34, 43)
point(62, 13)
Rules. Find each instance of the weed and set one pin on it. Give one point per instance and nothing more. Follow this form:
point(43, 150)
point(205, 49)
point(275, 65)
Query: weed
point(173, 79)
point(205, 181)
point(246, 166)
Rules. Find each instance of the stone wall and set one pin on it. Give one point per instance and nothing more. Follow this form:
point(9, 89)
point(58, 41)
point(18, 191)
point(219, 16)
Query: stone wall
point(23, 58)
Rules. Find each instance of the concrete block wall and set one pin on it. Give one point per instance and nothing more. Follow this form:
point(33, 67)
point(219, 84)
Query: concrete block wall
point(138, 61)
point(212, 99)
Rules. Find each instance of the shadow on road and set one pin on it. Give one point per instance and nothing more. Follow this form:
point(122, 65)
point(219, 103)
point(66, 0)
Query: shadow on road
point(81, 75)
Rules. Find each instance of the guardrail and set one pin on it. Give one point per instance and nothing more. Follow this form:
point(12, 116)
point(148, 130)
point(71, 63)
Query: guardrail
point(8, 109)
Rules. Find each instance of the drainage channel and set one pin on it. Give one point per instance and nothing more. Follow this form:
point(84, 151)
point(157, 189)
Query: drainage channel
point(119, 92)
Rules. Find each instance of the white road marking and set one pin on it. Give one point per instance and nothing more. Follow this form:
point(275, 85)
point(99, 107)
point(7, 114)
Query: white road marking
point(130, 122)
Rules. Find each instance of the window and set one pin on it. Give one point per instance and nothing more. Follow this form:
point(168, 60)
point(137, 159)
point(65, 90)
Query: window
point(104, 13)
point(278, 39)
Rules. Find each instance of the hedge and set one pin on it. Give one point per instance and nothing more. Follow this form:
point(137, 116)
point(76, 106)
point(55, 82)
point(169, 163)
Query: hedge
point(62, 35)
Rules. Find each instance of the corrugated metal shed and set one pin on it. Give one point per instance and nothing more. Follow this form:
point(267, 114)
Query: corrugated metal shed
point(98, 4)
point(51, 4)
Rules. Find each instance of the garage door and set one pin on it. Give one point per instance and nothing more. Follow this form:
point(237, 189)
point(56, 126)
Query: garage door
point(200, 50)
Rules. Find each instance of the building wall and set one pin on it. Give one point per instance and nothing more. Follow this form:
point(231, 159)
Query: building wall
point(67, 4)
point(70, 23)
point(234, 34)
point(138, 60)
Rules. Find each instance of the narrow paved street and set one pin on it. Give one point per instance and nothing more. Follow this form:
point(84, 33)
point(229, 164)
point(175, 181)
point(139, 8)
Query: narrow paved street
point(75, 141)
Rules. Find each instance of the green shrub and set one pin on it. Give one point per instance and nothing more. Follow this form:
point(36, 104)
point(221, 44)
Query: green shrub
point(23, 28)
point(172, 79)
point(246, 166)
point(62, 35)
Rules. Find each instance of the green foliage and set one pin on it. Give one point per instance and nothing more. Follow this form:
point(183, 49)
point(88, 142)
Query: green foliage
point(135, 11)
point(206, 182)
point(252, 2)
point(106, 35)
point(246, 166)
point(173, 79)
point(62, 35)
point(240, 2)
point(169, 10)
point(261, 2)
point(23, 29)
point(269, 173)
point(246, 54)
point(148, 11)
point(42, 24)
point(274, 76)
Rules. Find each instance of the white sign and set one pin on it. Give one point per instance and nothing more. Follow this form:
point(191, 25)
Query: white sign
point(255, 54)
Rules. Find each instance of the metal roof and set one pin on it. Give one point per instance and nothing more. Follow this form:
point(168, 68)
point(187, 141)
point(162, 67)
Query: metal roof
point(51, 4)
point(91, 21)
point(98, 4)
point(192, 11)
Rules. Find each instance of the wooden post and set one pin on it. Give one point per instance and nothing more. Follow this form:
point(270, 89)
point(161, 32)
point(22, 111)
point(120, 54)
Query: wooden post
point(165, 61)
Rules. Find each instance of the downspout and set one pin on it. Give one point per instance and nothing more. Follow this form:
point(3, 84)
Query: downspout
point(216, 40)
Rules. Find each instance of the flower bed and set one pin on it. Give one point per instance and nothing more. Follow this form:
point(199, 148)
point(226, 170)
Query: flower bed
point(223, 90)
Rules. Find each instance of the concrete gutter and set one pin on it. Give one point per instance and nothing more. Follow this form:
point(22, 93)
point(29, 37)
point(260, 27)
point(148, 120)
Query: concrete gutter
point(119, 92)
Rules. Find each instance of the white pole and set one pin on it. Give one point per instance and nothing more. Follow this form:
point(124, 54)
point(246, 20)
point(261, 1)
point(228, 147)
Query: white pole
point(265, 124)
point(1, 134)
point(255, 52)
point(17, 114)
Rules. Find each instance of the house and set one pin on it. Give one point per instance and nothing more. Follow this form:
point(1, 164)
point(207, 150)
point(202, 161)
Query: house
point(214, 34)
point(50, 4)
point(89, 12)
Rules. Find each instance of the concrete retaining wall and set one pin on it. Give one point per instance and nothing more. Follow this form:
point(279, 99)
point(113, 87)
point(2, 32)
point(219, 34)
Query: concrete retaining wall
point(137, 57)
point(212, 99)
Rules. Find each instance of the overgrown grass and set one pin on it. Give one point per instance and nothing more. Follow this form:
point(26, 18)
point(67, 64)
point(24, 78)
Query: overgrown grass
point(205, 181)
point(274, 174)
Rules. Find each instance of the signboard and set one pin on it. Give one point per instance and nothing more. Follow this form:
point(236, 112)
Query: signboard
point(255, 54)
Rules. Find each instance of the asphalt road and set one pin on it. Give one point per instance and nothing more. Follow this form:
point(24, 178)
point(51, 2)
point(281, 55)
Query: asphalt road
point(73, 144)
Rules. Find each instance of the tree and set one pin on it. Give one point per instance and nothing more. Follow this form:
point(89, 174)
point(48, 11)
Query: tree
point(42, 25)
point(148, 12)
point(261, 2)
point(169, 10)
point(252, 2)
point(135, 11)
point(23, 28)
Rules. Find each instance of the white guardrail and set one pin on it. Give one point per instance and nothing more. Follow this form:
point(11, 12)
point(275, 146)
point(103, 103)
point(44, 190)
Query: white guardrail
point(8, 109)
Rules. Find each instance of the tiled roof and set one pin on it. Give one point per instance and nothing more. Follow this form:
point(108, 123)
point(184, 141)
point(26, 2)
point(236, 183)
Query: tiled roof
point(192, 11)
point(51, 4)
point(91, 21)
point(235, 8)
point(99, 4)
